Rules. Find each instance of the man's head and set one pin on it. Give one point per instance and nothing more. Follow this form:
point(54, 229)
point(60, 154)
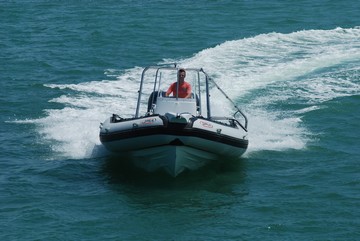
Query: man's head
point(181, 74)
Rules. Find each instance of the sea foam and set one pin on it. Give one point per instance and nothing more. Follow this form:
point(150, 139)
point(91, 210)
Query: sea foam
point(261, 73)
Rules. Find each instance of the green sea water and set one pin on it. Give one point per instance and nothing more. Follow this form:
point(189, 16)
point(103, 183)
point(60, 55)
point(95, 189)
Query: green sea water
point(292, 67)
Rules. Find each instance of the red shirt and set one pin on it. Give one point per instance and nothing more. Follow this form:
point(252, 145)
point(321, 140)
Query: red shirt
point(184, 89)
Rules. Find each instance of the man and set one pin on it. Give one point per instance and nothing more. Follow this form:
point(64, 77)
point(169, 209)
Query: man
point(184, 87)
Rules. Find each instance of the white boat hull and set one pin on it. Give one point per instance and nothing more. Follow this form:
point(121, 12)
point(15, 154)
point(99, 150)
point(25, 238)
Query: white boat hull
point(172, 159)
point(173, 154)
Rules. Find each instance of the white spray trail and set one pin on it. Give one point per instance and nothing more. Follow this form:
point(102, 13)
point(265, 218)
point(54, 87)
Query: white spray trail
point(256, 72)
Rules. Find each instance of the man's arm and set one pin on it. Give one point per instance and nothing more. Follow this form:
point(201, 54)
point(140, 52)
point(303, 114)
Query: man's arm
point(168, 92)
point(188, 91)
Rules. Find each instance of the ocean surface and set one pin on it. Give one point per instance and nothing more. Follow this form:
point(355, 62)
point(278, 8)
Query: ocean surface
point(292, 66)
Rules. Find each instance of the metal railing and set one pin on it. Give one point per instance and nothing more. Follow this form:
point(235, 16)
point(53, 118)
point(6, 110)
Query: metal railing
point(207, 91)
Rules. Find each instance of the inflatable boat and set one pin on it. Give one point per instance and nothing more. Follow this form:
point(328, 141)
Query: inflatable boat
point(176, 134)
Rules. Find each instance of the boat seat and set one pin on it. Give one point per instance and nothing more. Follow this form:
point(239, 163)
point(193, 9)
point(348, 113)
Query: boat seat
point(154, 95)
point(153, 98)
